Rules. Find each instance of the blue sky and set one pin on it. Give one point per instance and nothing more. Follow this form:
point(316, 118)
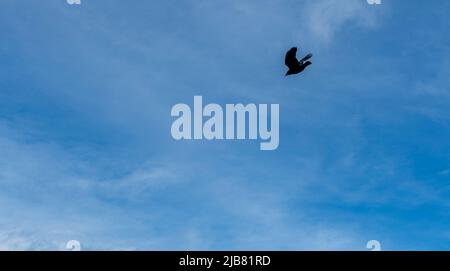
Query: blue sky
point(85, 98)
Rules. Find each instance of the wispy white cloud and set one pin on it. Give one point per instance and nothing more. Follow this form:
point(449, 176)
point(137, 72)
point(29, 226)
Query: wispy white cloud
point(48, 202)
point(326, 18)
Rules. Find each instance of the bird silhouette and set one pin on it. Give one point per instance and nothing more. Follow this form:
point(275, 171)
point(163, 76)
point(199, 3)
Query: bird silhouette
point(293, 64)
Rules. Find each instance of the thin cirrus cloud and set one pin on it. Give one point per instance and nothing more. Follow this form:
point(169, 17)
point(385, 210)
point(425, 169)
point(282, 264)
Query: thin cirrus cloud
point(325, 18)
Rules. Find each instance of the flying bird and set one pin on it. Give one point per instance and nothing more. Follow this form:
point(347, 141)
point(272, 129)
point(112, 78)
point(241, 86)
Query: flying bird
point(293, 64)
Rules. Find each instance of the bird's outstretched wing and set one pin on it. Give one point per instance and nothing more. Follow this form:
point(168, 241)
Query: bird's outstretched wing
point(308, 56)
point(291, 58)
